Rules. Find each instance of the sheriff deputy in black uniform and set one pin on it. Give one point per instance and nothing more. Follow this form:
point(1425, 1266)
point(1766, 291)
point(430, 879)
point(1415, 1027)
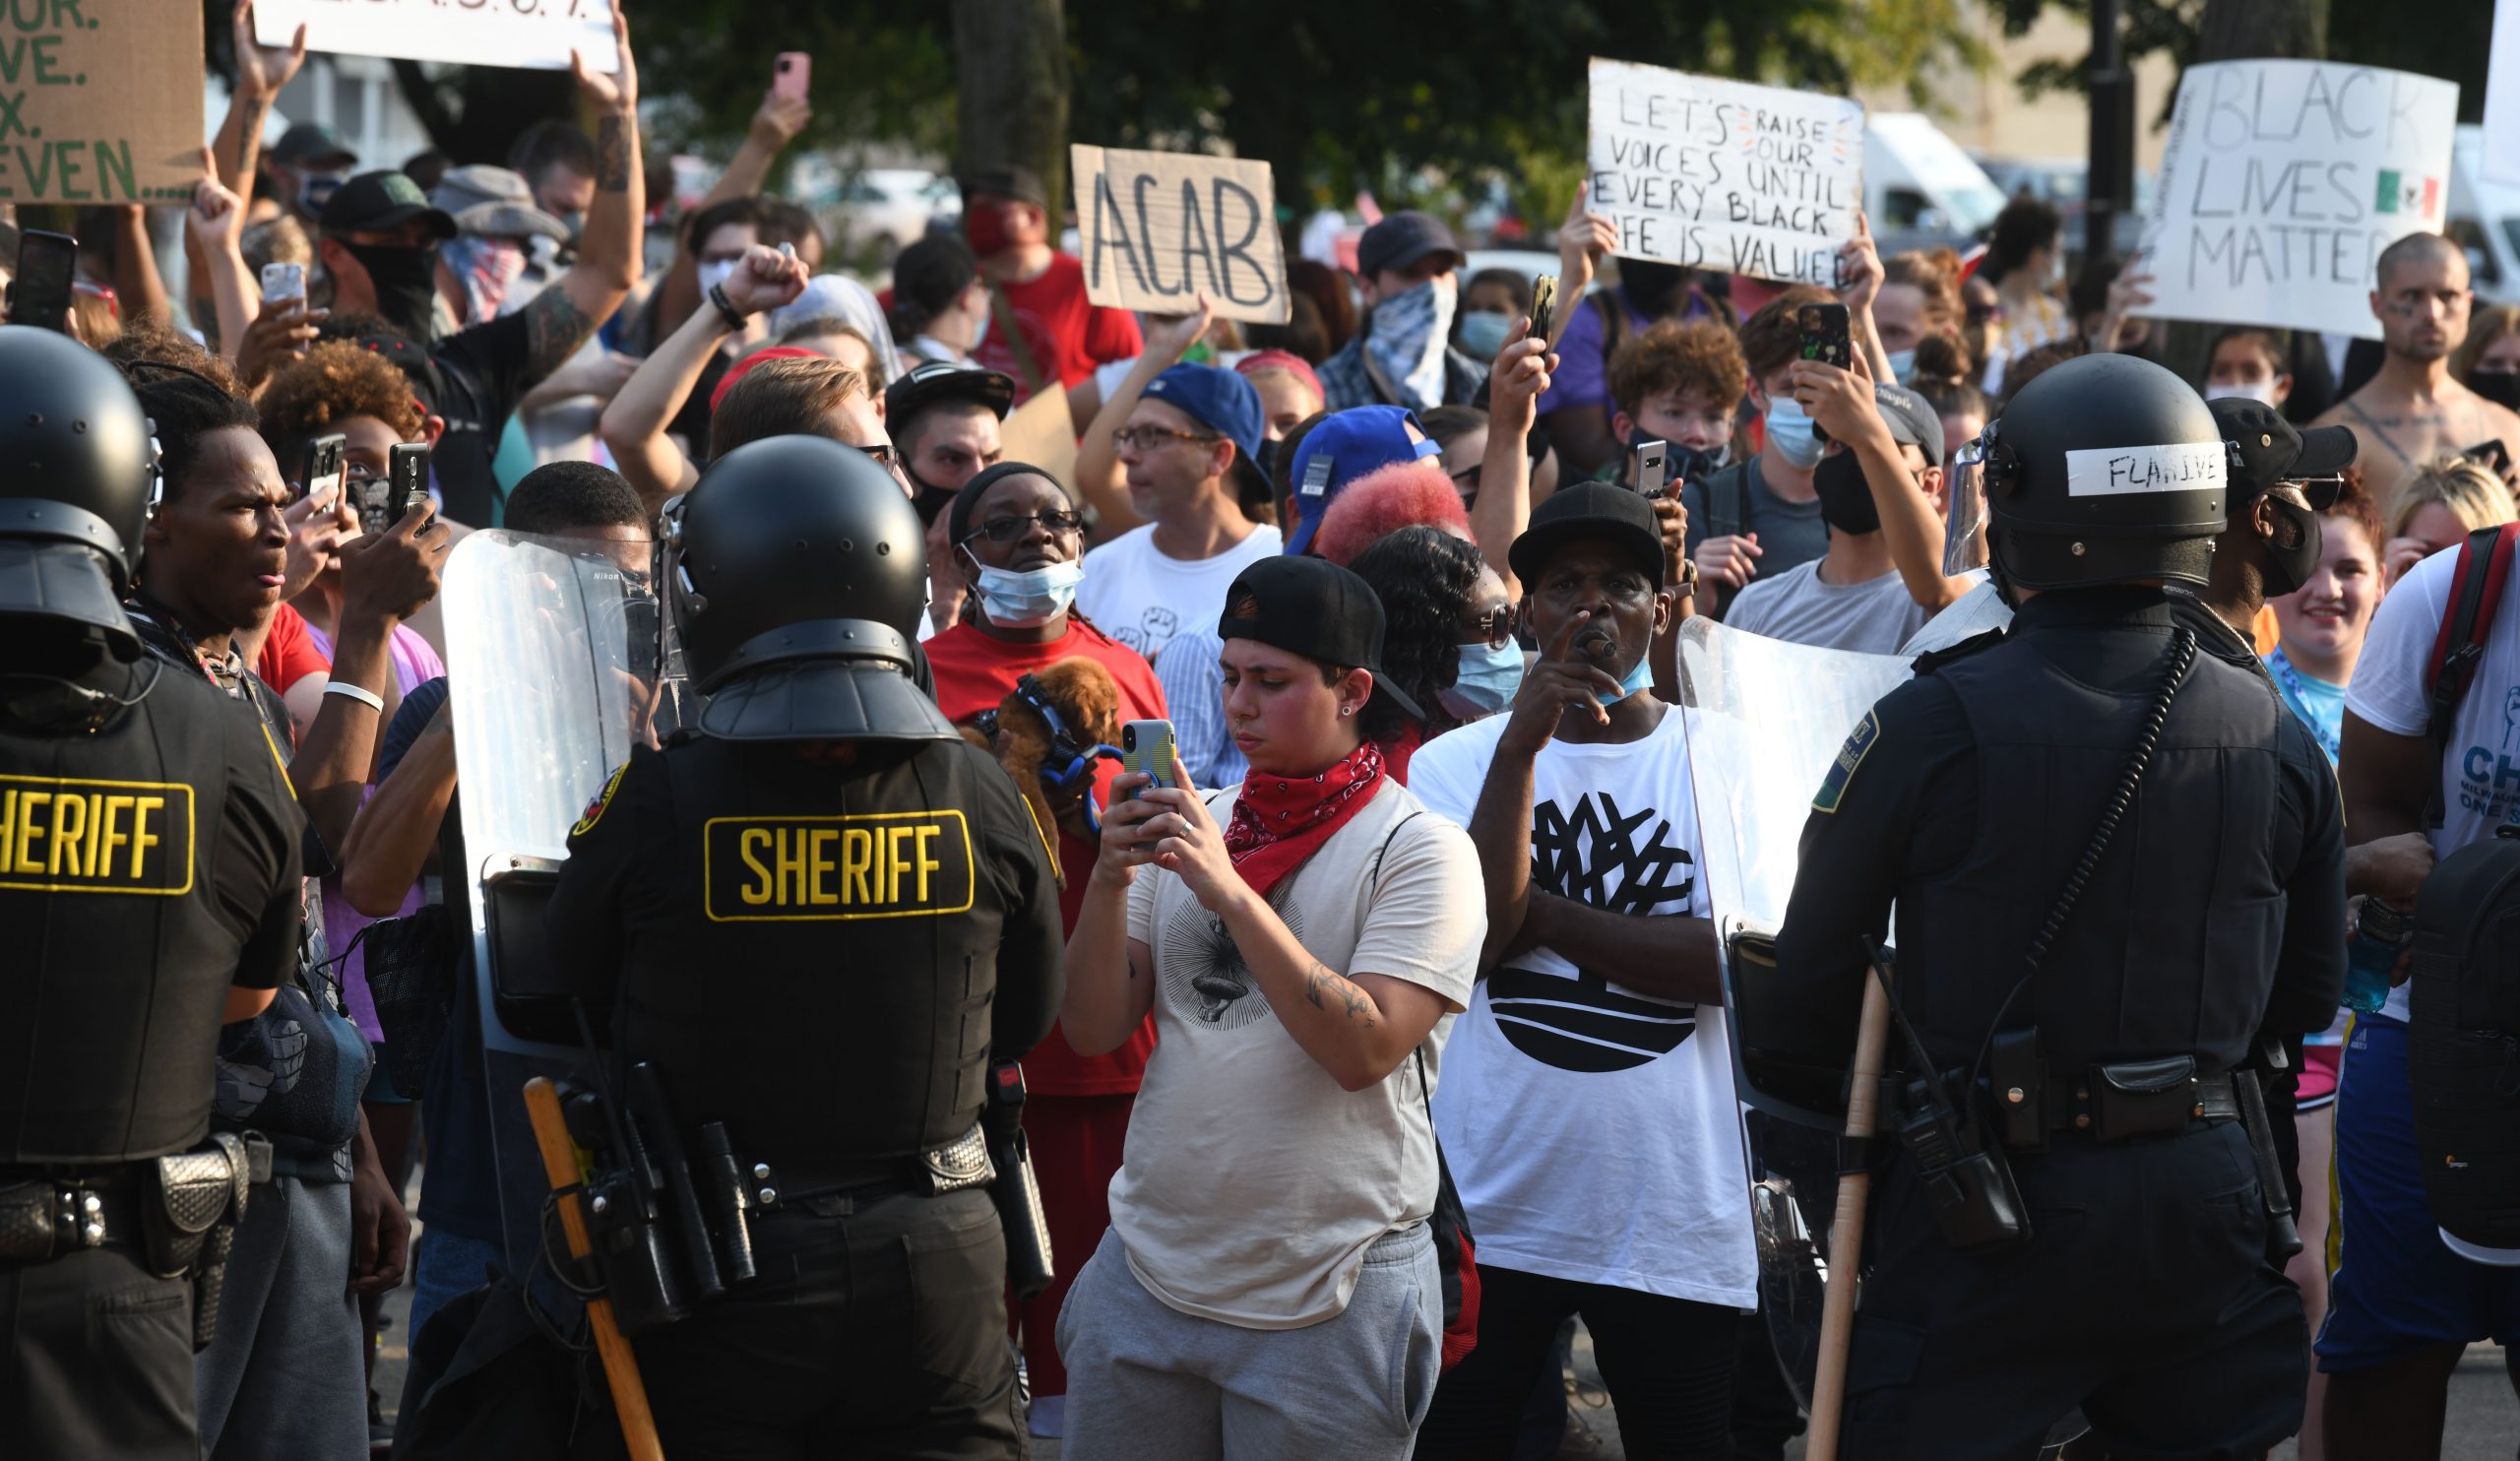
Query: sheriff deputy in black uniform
point(2084, 1013)
point(826, 913)
point(149, 893)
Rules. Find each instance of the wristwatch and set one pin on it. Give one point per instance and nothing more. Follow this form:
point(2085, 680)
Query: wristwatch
point(1688, 576)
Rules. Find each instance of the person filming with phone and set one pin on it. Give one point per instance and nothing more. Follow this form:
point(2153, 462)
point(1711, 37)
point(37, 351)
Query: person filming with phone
point(1270, 1287)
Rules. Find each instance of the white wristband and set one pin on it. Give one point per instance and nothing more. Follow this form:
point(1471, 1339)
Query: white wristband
point(362, 695)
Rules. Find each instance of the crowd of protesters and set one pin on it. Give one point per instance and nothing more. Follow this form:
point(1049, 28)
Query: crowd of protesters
point(1390, 573)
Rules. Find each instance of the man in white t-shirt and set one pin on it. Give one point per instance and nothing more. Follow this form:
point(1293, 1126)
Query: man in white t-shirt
point(1189, 449)
point(1588, 1109)
point(2403, 1304)
point(1882, 576)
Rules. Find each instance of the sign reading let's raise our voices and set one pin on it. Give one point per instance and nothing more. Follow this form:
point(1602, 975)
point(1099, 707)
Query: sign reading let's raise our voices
point(2282, 183)
point(531, 34)
point(1156, 229)
point(100, 101)
point(1725, 176)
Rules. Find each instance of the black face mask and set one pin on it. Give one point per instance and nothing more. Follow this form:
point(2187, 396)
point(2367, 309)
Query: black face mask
point(927, 498)
point(405, 283)
point(2287, 568)
point(2502, 387)
point(1845, 499)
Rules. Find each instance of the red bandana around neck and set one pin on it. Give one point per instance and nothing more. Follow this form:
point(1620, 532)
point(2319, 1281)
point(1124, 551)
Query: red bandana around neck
point(1279, 821)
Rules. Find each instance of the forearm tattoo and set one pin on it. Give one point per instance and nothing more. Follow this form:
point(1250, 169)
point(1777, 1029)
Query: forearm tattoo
point(1320, 986)
point(614, 145)
point(555, 328)
point(249, 136)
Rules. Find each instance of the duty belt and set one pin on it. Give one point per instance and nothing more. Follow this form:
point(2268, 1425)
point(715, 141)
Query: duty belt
point(43, 1216)
point(2123, 1101)
point(951, 1168)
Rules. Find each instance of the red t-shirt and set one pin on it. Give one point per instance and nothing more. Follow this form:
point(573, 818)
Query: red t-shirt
point(289, 652)
point(1069, 334)
point(973, 674)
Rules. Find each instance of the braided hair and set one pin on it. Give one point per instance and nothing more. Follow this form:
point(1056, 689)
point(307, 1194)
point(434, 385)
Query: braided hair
point(1424, 577)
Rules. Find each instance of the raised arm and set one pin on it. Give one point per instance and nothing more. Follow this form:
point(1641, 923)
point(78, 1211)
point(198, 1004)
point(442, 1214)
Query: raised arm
point(1098, 471)
point(212, 226)
point(384, 580)
point(1841, 400)
point(562, 317)
point(1860, 274)
point(1504, 506)
point(261, 74)
point(1580, 433)
point(634, 423)
point(774, 124)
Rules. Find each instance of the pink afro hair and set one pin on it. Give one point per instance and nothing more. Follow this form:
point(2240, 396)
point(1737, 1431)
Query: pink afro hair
point(1386, 500)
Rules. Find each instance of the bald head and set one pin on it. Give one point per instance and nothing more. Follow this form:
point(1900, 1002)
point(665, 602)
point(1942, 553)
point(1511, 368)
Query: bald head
point(2430, 249)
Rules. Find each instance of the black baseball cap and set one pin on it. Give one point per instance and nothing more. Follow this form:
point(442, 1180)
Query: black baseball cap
point(1598, 512)
point(932, 381)
point(1911, 421)
point(1021, 184)
point(2270, 450)
point(1313, 608)
point(1403, 238)
point(374, 202)
point(312, 142)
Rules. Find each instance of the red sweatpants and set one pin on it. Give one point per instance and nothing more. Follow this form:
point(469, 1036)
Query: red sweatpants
point(1076, 1143)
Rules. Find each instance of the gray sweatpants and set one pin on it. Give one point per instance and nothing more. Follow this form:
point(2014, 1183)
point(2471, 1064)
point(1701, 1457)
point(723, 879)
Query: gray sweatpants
point(1146, 1380)
point(284, 1379)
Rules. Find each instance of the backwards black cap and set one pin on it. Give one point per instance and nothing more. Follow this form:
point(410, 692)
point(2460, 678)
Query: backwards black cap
point(1313, 608)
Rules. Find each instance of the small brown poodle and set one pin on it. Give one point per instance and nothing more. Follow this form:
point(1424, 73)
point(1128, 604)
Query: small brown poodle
point(1087, 702)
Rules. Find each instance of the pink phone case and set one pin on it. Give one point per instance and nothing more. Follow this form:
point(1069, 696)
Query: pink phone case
point(793, 71)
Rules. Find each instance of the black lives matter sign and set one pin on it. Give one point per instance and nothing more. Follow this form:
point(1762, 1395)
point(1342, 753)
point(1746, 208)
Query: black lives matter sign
point(2282, 183)
point(100, 101)
point(1723, 174)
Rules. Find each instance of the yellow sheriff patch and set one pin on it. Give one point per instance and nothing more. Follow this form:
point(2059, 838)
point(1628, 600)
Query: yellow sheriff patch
point(70, 835)
point(895, 864)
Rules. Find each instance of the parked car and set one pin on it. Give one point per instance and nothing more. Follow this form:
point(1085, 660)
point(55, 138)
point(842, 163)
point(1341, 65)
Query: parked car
point(1920, 188)
point(872, 213)
point(2484, 220)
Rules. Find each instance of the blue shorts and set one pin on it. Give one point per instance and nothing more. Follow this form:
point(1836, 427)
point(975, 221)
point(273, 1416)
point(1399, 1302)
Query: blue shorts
point(2394, 1288)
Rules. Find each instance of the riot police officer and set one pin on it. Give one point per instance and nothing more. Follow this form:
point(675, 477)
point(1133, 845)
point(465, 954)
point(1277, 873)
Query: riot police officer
point(825, 913)
point(149, 893)
point(2116, 859)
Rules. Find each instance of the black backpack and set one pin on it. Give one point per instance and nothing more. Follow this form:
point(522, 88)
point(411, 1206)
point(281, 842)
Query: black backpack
point(2464, 1045)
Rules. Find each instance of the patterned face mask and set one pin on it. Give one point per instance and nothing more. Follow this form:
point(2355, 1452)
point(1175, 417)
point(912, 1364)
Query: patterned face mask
point(1406, 340)
point(486, 267)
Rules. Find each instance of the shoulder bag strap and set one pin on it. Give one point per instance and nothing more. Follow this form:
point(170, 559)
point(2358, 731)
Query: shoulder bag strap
point(1001, 311)
point(2485, 566)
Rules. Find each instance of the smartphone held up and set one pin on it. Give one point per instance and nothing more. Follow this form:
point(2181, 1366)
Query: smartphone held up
point(46, 274)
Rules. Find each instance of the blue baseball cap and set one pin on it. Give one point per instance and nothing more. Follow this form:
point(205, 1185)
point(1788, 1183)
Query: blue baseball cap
point(1220, 400)
point(1346, 445)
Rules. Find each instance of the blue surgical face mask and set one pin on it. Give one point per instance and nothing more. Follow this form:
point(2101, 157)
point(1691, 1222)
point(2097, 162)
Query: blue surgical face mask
point(1023, 601)
point(1641, 677)
point(1489, 675)
point(1484, 332)
point(1789, 433)
point(1902, 363)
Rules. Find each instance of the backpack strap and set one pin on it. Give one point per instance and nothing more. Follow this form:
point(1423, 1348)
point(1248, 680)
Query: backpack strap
point(2484, 567)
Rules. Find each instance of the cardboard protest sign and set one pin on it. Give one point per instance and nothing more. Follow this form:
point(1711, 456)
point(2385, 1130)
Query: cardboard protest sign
point(1041, 432)
point(533, 35)
point(1157, 229)
point(2283, 181)
point(1725, 176)
point(99, 101)
point(2502, 97)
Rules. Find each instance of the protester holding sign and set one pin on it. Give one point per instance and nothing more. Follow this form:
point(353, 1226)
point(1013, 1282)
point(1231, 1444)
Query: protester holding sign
point(2415, 410)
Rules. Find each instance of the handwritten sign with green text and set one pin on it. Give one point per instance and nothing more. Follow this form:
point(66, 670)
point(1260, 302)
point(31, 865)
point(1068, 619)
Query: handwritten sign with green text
point(100, 101)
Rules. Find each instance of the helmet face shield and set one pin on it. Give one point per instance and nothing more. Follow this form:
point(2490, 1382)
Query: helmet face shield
point(1963, 496)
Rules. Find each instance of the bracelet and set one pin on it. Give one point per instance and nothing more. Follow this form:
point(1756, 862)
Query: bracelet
point(735, 319)
point(359, 693)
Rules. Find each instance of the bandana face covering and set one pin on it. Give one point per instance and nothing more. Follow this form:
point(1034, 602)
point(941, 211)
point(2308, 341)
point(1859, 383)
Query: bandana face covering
point(1279, 821)
point(1408, 340)
point(487, 267)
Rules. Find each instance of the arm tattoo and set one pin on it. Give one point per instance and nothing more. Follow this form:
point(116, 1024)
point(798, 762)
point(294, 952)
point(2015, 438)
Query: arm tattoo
point(249, 136)
point(613, 141)
point(1352, 1000)
point(555, 328)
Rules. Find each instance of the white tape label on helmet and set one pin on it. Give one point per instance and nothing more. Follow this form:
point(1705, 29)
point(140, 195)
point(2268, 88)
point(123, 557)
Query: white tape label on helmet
point(2177, 466)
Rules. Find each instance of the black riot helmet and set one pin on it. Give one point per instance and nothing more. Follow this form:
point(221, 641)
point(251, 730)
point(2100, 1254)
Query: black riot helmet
point(77, 475)
point(2105, 469)
point(797, 576)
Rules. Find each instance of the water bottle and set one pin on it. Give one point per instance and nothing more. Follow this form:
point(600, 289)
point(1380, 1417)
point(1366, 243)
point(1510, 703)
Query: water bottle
point(2384, 935)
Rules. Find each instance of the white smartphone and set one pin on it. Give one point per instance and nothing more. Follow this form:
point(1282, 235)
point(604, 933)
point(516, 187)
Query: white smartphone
point(283, 282)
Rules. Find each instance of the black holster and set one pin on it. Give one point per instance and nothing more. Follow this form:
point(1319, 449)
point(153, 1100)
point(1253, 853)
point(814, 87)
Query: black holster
point(190, 1205)
point(1018, 1196)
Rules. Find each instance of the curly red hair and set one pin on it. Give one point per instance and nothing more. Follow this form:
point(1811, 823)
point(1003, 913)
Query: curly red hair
point(1386, 500)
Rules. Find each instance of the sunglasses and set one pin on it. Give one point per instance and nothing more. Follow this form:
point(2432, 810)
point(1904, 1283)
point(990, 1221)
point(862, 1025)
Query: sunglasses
point(1495, 627)
point(1009, 529)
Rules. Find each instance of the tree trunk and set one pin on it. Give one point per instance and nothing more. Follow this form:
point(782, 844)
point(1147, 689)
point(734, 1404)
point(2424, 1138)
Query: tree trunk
point(1011, 76)
point(2245, 30)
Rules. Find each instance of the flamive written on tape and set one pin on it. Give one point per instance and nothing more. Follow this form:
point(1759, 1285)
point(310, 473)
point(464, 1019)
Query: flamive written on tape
point(71, 834)
point(868, 866)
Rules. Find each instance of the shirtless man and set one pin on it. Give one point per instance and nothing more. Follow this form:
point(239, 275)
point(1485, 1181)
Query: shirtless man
point(2414, 411)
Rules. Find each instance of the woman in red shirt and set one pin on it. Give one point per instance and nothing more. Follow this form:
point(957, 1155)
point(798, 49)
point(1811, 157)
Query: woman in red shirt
point(1018, 540)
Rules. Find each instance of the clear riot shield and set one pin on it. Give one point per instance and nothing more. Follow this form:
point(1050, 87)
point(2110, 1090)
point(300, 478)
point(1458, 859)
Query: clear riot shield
point(552, 654)
point(1764, 719)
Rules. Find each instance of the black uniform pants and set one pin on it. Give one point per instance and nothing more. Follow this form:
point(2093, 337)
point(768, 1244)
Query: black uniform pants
point(871, 1332)
point(2142, 1296)
point(95, 1360)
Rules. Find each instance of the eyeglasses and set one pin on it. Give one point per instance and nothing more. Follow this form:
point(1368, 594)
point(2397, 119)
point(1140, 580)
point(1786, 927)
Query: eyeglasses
point(881, 451)
point(1148, 438)
point(1494, 628)
point(1009, 529)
